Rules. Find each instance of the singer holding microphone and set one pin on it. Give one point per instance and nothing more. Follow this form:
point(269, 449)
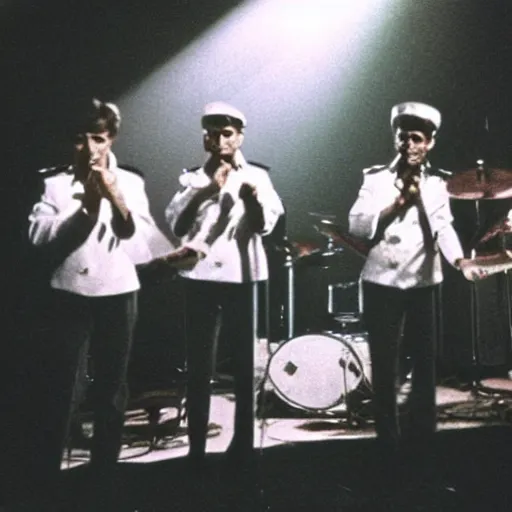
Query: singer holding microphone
point(91, 226)
point(403, 210)
point(221, 212)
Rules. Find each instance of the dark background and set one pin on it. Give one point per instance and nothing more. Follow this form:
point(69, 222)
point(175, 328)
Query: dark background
point(315, 121)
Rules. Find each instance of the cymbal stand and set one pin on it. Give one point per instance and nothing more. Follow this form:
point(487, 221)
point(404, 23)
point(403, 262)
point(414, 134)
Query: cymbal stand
point(509, 314)
point(290, 294)
point(287, 306)
point(475, 386)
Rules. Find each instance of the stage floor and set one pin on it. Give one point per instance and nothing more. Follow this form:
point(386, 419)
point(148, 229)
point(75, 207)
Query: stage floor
point(305, 460)
point(317, 464)
point(167, 439)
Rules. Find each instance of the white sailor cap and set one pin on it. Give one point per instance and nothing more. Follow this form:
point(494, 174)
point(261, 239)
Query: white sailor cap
point(219, 110)
point(411, 112)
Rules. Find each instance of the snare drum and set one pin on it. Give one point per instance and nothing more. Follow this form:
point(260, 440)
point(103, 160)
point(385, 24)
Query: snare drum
point(317, 371)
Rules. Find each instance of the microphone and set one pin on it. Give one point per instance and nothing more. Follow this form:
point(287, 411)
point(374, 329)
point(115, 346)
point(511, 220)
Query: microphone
point(395, 161)
point(399, 159)
point(407, 182)
point(94, 159)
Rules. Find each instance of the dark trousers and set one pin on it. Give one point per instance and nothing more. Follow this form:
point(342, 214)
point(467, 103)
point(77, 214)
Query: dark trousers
point(212, 308)
point(102, 327)
point(385, 311)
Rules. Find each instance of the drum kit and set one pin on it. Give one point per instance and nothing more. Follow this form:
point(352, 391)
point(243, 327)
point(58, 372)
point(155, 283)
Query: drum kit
point(488, 192)
point(318, 372)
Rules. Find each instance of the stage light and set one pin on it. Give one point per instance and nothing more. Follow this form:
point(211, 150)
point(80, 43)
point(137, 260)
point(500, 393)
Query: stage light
point(286, 63)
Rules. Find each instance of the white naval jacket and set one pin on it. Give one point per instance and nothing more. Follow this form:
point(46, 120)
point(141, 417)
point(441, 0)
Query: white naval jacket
point(89, 258)
point(399, 259)
point(233, 253)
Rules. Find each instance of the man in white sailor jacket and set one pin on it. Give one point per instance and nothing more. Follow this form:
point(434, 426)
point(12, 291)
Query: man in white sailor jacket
point(403, 210)
point(93, 225)
point(221, 213)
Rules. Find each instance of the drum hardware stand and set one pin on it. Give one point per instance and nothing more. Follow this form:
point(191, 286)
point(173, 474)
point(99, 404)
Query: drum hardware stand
point(345, 320)
point(287, 310)
point(348, 403)
point(475, 386)
point(290, 301)
point(152, 402)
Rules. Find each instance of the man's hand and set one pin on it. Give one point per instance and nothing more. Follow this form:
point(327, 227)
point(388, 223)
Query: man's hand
point(92, 195)
point(409, 188)
point(106, 182)
point(253, 208)
point(471, 270)
point(408, 185)
point(221, 174)
point(183, 258)
point(246, 191)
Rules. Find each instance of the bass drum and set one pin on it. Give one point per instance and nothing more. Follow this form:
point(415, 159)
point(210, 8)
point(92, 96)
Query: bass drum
point(315, 372)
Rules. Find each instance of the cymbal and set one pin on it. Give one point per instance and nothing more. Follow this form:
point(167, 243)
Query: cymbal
point(337, 234)
point(283, 246)
point(314, 255)
point(297, 250)
point(481, 184)
point(304, 249)
point(322, 215)
point(502, 227)
point(323, 259)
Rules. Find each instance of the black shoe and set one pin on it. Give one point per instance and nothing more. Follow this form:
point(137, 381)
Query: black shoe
point(241, 462)
point(240, 450)
point(198, 463)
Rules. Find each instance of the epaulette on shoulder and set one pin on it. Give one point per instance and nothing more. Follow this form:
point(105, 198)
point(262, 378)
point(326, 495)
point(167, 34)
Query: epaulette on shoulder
point(131, 168)
point(374, 169)
point(53, 171)
point(189, 178)
point(440, 173)
point(257, 164)
point(191, 169)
